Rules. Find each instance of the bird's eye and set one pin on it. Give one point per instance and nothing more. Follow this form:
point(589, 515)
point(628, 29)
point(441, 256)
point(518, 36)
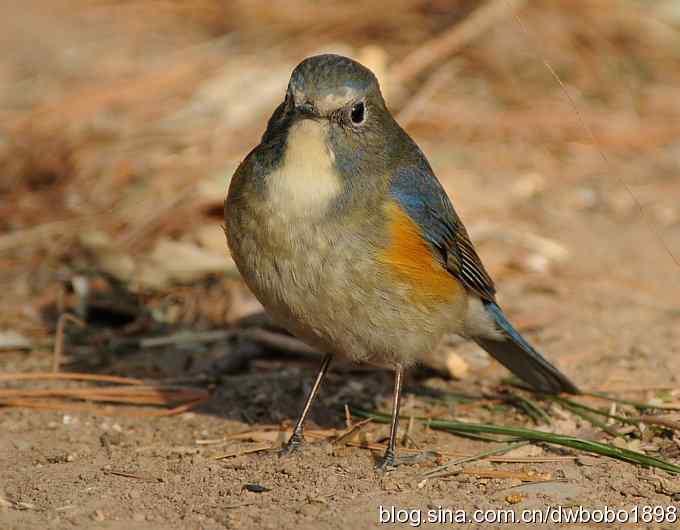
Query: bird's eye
point(358, 113)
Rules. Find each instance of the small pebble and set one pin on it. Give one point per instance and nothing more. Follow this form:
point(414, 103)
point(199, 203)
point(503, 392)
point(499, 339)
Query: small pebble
point(514, 499)
point(256, 488)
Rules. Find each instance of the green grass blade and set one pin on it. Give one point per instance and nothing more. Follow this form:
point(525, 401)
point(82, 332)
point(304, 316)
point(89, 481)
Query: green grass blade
point(444, 469)
point(572, 403)
point(530, 408)
point(637, 404)
point(578, 411)
point(599, 448)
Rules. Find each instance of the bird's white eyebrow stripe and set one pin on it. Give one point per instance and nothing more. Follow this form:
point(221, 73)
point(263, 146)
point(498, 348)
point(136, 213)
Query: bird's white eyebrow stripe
point(328, 102)
point(338, 99)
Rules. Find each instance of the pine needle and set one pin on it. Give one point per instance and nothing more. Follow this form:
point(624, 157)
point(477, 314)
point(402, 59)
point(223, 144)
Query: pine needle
point(572, 442)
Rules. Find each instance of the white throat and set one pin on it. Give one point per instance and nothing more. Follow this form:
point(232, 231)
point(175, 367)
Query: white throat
point(306, 182)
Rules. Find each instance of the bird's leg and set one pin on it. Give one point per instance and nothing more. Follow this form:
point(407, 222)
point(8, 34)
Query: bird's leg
point(297, 437)
point(390, 458)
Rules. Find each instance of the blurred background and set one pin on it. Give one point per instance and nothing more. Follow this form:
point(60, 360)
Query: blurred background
point(122, 121)
point(554, 125)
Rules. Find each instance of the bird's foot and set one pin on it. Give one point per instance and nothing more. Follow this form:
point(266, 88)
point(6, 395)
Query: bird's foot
point(293, 445)
point(390, 461)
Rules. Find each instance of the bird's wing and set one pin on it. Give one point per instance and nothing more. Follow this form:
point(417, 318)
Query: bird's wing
point(421, 195)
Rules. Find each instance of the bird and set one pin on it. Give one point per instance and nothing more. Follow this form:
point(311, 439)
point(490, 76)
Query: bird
point(340, 228)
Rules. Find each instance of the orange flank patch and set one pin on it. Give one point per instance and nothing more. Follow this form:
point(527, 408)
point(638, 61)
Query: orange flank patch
point(409, 258)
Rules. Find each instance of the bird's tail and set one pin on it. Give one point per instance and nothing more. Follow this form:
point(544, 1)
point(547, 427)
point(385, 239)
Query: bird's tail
point(517, 355)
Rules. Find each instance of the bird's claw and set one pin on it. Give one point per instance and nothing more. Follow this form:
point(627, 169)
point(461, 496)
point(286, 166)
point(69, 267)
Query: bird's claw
point(389, 462)
point(293, 445)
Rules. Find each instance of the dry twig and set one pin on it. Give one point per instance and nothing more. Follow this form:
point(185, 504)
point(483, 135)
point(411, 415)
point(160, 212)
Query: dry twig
point(59, 342)
point(458, 36)
point(134, 392)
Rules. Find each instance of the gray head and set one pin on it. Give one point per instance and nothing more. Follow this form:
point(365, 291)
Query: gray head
point(332, 138)
point(337, 92)
point(342, 99)
point(324, 84)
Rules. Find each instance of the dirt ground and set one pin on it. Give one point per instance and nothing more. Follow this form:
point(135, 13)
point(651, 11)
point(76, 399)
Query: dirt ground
point(120, 125)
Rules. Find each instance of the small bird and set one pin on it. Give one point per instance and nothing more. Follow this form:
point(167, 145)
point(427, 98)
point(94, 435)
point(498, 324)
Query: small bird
point(340, 228)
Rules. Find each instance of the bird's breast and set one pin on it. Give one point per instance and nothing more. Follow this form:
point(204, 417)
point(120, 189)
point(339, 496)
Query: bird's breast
point(342, 288)
point(360, 281)
point(313, 278)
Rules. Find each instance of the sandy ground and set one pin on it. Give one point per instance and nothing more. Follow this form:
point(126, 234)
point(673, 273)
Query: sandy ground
point(584, 275)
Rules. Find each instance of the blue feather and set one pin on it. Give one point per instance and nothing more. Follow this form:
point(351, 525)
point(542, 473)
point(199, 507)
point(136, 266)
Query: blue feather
point(422, 196)
point(518, 356)
point(502, 322)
